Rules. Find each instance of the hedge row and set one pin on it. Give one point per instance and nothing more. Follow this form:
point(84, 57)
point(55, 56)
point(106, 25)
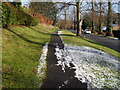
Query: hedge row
point(14, 16)
point(116, 33)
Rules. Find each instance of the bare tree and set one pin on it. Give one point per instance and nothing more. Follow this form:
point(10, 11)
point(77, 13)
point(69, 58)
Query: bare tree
point(47, 9)
point(79, 20)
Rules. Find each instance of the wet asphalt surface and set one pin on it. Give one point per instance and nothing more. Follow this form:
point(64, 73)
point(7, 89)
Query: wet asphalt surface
point(102, 40)
point(108, 42)
point(55, 77)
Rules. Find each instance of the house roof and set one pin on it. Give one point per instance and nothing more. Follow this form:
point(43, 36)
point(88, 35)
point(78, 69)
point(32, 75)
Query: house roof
point(116, 27)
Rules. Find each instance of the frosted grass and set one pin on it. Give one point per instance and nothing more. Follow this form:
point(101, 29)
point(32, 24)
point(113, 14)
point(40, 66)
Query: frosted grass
point(42, 61)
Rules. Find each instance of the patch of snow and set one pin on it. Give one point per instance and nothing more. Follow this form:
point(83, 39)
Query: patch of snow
point(42, 61)
point(95, 67)
point(64, 83)
point(59, 32)
point(115, 38)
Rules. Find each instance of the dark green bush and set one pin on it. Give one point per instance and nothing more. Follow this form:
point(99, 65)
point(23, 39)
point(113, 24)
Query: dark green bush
point(5, 15)
point(14, 16)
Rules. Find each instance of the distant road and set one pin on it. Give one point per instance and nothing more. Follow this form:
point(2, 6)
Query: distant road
point(108, 42)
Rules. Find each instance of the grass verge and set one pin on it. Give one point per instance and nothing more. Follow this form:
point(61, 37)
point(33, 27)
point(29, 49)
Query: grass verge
point(71, 38)
point(21, 50)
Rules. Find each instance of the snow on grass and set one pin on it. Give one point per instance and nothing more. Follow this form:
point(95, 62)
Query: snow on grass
point(64, 83)
point(42, 60)
point(95, 67)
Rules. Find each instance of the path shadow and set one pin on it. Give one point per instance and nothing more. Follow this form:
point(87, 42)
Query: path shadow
point(25, 39)
point(39, 31)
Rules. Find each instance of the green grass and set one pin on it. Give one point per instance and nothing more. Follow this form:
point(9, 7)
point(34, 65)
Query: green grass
point(71, 38)
point(112, 37)
point(21, 50)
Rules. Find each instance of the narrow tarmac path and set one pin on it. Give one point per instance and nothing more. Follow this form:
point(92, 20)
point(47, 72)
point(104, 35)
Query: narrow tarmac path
point(55, 77)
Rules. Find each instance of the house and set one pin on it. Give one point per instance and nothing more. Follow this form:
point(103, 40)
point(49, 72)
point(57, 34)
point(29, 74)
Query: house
point(116, 30)
point(114, 27)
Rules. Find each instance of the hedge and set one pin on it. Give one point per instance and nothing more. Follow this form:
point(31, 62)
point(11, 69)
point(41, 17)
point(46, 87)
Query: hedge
point(14, 16)
point(116, 33)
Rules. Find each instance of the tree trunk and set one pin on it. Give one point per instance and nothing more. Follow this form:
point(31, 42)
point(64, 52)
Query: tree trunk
point(65, 17)
point(54, 22)
point(92, 15)
point(100, 16)
point(109, 21)
point(78, 19)
point(74, 18)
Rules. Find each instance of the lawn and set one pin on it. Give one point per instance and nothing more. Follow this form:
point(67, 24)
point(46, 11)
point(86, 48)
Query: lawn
point(21, 50)
point(22, 47)
point(90, 62)
point(71, 38)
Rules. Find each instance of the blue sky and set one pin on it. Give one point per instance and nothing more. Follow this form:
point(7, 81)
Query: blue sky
point(25, 2)
point(115, 7)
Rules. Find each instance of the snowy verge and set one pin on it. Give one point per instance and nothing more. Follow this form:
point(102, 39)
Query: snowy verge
point(42, 61)
point(95, 67)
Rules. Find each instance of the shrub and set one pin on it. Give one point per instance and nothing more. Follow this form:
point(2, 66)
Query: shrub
point(14, 16)
point(5, 15)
